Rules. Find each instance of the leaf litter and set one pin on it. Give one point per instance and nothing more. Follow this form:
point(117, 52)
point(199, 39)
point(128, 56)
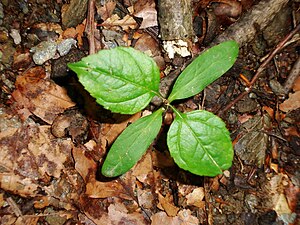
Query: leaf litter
point(55, 181)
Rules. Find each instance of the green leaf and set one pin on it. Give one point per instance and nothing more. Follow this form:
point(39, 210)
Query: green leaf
point(204, 70)
point(132, 144)
point(200, 143)
point(122, 79)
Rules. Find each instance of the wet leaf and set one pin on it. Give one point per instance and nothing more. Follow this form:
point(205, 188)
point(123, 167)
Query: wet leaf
point(122, 79)
point(252, 145)
point(205, 69)
point(200, 143)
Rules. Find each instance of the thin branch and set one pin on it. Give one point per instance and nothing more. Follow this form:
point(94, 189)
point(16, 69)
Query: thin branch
point(292, 77)
point(278, 47)
point(90, 26)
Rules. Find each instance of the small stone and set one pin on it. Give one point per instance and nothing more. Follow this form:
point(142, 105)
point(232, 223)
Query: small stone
point(15, 34)
point(43, 51)
point(65, 46)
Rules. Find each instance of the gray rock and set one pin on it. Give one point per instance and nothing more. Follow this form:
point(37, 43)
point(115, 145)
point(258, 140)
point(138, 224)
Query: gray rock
point(65, 46)
point(43, 51)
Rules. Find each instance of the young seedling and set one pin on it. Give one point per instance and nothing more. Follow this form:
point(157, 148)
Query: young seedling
point(125, 80)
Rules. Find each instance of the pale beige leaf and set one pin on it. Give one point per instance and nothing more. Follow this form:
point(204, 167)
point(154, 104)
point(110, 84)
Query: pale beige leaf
point(149, 15)
point(292, 103)
point(118, 214)
point(196, 197)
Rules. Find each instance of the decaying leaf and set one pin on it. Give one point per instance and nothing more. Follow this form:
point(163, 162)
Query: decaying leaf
point(146, 9)
point(106, 11)
point(196, 197)
point(166, 203)
point(39, 96)
point(18, 185)
point(277, 187)
point(87, 168)
point(110, 131)
point(30, 153)
point(252, 146)
point(118, 214)
point(292, 103)
point(184, 217)
point(143, 169)
point(126, 23)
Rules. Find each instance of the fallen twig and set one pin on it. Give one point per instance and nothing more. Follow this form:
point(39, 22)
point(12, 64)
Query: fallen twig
point(293, 75)
point(245, 29)
point(90, 27)
point(248, 89)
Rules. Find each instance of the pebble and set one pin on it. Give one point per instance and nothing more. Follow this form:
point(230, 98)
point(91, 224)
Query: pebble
point(15, 34)
point(65, 46)
point(43, 52)
point(47, 50)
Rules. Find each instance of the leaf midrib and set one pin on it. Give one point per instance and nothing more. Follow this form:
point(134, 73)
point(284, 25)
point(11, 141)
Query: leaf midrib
point(196, 137)
point(140, 133)
point(108, 74)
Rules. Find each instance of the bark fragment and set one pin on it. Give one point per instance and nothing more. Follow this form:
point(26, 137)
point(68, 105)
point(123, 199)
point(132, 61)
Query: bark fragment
point(175, 19)
point(245, 29)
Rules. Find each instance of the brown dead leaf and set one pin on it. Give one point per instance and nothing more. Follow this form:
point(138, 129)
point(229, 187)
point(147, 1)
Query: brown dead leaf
point(196, 198)
point(147, 12)
point(162, 218)
point(296, 86)
point(292, 196)
point(39, 96)
point(277, 186)
point(115, 22)
point(8, 219)
point(292, 103)
point(252, 142)
point(184, 218)
point(167, 204)
point(145, 198)
point(27, 220)
point(69, 33)
point(75, 33)
point(143, 169)
point(30, 154)
point(18, 185)
point(109, 131)
point(106, 11)
point(118, 214)
point(87, 168)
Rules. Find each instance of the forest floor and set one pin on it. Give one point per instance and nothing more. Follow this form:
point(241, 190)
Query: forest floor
point(54, 136)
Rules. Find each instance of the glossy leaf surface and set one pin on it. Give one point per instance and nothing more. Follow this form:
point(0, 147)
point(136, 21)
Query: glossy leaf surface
point(132, 144)
point(122, 79)
point(204, 70)
point(200, 143)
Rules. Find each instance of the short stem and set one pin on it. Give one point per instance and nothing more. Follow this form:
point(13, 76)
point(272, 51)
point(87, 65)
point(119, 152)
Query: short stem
point(175, 110)
point(159, 95)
